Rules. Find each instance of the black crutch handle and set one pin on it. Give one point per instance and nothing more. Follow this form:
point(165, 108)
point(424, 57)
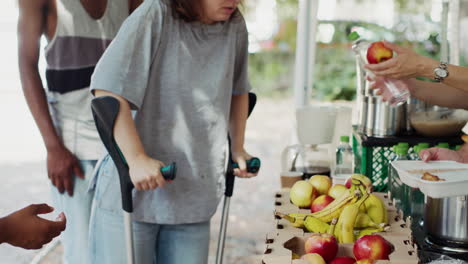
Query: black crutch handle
point(253, 165)
point(105, 110)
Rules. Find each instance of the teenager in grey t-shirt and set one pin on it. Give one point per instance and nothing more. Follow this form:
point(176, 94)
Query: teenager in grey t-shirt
point(188, 83)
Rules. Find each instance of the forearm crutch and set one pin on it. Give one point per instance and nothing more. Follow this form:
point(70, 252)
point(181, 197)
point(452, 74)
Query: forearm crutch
point(105, 110)
point(253, 165)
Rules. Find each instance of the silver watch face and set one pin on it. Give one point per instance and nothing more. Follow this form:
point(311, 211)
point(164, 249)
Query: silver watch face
point(441, 72)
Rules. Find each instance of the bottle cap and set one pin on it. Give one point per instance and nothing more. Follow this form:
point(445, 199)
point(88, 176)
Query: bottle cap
point(401, 150)
point(344, 139)
point(424, 145)
point(353, 36)
point(443, 145)
point(404, 144)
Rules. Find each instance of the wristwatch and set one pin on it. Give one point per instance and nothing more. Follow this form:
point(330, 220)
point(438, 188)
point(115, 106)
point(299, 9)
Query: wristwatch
point(441, 72)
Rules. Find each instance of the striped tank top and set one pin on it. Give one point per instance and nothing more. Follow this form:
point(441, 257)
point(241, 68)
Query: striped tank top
point(71, 56)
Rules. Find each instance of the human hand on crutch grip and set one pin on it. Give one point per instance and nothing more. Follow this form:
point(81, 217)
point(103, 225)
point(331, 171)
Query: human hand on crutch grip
point(244, 165)
point(145, 173)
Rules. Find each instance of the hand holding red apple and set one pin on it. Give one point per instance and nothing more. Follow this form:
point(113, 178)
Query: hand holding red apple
point(407, 64)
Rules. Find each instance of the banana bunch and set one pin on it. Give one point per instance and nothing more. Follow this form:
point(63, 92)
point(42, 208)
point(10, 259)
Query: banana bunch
point(344, 231)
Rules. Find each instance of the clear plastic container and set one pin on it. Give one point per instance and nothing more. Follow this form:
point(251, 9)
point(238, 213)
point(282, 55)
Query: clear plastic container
point(416, 197)
point(308, 159)
point(399, 192)
point(395, 92)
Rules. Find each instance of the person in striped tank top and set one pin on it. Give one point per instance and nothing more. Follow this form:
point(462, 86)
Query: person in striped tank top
point(78, 32)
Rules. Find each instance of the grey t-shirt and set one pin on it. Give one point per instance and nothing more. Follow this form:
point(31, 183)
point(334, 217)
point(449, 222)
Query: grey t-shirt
point(180, 77)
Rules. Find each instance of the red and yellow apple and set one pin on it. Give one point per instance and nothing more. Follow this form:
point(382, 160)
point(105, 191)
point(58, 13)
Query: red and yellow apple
point(302, 194)
point(378, 52)
point(313, 258)
point(321, 183)
point(365, 261)
point(321, 202)
point(337, 190)
point(323, 244)
point(343, 260)
point(373, 247)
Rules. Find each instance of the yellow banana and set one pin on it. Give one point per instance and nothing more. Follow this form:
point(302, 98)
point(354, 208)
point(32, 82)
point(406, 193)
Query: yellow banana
point(363, 179)
point(296, 219)
point(295, 256)
point(331, 228)
point(315, 225)
point(369, 231)
point(364, 221)
point(349, 215)
point(376, 209)
point(334, 209)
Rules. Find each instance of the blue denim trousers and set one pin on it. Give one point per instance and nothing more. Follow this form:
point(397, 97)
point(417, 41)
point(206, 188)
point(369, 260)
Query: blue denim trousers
point(153, 243)
point(77, 209)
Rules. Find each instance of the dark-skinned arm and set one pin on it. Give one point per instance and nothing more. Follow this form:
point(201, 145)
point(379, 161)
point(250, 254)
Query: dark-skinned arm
point(61, 163)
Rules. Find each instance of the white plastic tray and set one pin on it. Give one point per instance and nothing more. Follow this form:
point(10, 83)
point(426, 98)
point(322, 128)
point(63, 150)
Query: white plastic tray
point(455, 175)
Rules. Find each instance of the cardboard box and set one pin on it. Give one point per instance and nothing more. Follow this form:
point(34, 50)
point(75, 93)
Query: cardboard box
point(280, 247)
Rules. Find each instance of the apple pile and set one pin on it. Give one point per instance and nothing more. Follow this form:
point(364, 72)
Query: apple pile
point(323, 248)
point(312, 194)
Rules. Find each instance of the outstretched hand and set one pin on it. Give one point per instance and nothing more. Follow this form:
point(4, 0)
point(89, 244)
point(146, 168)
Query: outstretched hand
point(440, 154)
point(24, 228)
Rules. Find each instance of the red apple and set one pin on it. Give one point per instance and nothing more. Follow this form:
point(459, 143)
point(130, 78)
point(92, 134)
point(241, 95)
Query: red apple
point(343, 260)
point(377, 52)
point(321, 183)
point(313, 258)
point(320, 202)
point(365, 261)
point(372, 247)
point(323, 244)
point(337, 190)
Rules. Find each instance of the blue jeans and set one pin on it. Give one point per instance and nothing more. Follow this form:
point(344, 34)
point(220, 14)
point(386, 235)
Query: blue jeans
point(77, 210)
point(153, 243)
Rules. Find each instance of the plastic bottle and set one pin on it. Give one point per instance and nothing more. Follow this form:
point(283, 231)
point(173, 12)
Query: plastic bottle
point(397, 188)
point(344, 158)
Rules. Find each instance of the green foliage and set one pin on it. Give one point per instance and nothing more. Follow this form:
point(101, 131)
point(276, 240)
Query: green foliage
point(271, 73)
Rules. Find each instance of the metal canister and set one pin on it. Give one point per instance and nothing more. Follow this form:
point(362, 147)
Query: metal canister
point(446, 220)
point(372, 102)
point(362, 105)
point(389, 120)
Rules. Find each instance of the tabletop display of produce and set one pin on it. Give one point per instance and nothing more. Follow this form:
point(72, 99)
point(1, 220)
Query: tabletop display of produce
point(318, 222)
